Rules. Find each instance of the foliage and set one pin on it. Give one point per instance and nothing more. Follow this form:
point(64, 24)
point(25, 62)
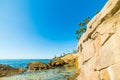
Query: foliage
point(97, 12)
point(82, 27)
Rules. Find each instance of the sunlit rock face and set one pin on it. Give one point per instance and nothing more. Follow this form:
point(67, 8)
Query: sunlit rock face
point(99, 47)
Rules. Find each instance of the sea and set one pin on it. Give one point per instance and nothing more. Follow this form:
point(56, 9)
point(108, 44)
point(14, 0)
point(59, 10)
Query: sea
point(50, 74)
point(21, 63)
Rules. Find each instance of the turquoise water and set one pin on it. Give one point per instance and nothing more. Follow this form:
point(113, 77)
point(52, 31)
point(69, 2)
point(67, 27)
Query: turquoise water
point(50, 74)
point(21, 63)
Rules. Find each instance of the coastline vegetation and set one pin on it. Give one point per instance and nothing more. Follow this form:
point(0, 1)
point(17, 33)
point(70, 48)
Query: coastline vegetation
point(83, 26)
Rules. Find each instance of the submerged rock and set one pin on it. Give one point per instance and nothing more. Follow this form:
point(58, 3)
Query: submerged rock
point(6, 70)
point(35, 66)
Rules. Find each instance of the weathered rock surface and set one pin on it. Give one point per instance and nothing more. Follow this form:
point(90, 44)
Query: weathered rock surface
point(6, 70)
point(69, 57)
point(99, 47)
point(57, 62)
point(35, 66)
point(68, 60)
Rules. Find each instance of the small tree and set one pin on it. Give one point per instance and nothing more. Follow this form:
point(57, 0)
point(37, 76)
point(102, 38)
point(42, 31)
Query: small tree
point(97, 11)
point(82, 27)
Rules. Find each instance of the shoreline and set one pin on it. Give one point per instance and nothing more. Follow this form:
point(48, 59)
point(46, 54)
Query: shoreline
point(54, 64)
point(51, 74)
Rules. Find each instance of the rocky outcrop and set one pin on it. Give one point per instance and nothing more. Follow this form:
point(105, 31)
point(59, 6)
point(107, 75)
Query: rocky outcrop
point(35, 66)
point(6, 70)
point(69, 57)
point(68, 60)
point(56, 62)
point(99, 46)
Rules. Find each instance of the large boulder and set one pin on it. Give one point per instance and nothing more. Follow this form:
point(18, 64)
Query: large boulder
point(35, 66)
point(6, 70)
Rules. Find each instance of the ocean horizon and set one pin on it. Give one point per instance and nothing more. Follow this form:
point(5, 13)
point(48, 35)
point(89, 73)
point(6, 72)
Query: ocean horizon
point(21, 63)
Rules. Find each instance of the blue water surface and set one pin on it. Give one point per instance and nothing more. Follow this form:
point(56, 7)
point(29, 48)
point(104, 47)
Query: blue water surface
point(21, 63)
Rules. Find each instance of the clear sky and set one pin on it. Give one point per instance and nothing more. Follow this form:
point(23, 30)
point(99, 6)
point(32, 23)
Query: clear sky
point(41, 28)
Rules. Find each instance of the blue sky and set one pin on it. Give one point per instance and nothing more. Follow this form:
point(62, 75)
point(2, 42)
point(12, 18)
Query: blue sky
point(41, 28)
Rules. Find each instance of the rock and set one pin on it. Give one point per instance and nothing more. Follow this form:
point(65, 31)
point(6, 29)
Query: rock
point(88, 53)
point(35, 66)
point(56, 62)
point(78, 71)
point(69, 57)
point(5, 67)
point(104, 74)
point(68, 60)
point(6, 70)
point(114, 71)
point(99, 46)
